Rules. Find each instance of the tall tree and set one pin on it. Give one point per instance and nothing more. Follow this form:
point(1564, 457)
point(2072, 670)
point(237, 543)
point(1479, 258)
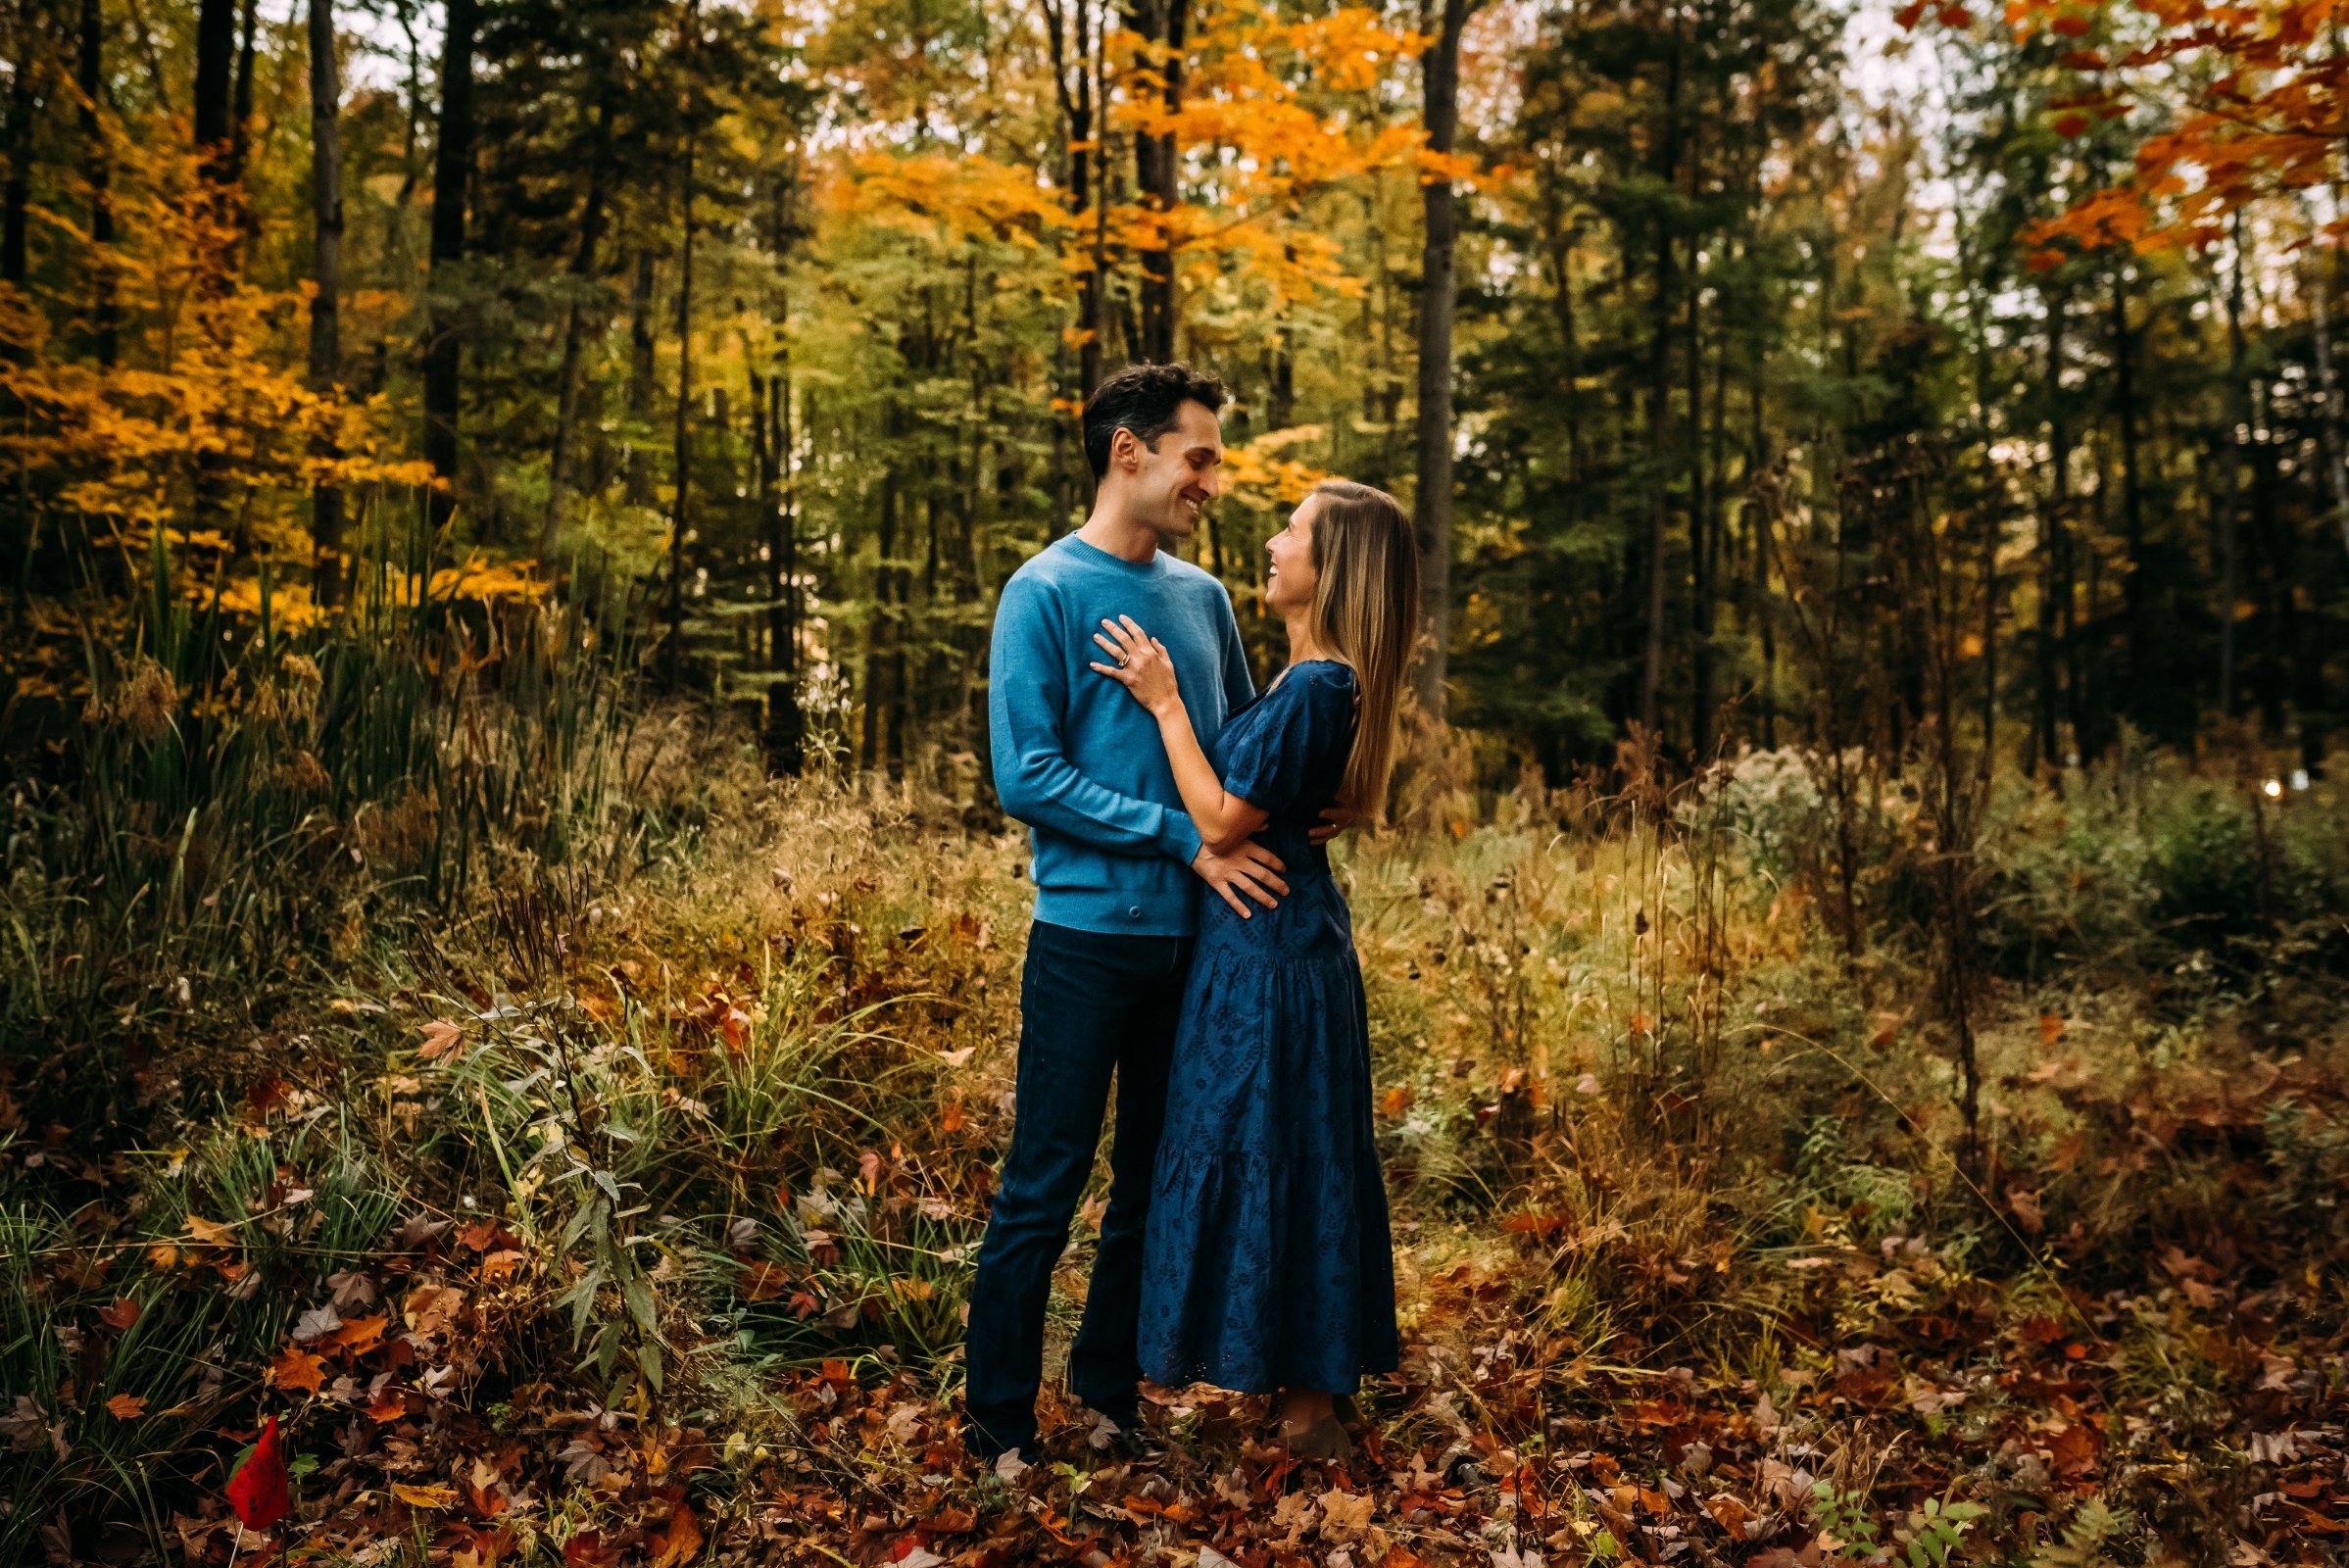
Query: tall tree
point(681, 517)
point(571, 376)
point(1432, 502)
point(1158, 168)
point(452, 173)
point(327, 268)
point(98, 170)
point(28, 24)
point(1659, 385)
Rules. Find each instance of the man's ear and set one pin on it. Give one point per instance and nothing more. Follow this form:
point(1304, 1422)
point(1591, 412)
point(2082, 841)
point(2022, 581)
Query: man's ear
point(1125, 448)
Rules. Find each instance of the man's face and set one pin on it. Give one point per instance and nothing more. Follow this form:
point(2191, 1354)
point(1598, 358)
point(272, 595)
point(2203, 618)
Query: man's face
point(1171, 486)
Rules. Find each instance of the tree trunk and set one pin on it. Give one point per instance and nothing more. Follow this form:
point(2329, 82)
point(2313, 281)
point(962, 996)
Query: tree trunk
point(325, 330)
point(240, 119)
point(881, 631)
point(1156, 168)
point(562, 456)
point(105, 326)
point(16, 196)
point(1096, 299)
point(1432, 504)
point(681, 515)
point(639, 491)
point(1712, 527)
point(2230, 520)
point(2132, 500)
point(2055, 583)
point(2329, 423)
point(786, 723)
point(216, 68)
point(451, 167)
point(1659, 406)
point(1562, 249)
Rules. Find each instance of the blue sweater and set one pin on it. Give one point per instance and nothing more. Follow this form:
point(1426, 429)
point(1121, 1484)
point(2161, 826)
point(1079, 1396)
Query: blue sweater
point(1078, 759)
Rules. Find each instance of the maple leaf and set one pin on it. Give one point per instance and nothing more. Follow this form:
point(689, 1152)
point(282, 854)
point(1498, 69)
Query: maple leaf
point(424, 1496)
point(258, 1490)
point(127, 1406)
point(296, 1368)
point(440, 1038)
point(315, 1324)
point(121, 1315)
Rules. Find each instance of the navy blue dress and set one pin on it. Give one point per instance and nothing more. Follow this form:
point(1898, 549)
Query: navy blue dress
point(1266, 1263)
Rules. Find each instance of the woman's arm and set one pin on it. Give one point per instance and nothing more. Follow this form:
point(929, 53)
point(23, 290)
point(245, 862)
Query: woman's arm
point(1142, 666)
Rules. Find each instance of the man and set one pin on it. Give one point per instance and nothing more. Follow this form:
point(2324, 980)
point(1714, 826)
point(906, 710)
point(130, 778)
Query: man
point(1114, 859)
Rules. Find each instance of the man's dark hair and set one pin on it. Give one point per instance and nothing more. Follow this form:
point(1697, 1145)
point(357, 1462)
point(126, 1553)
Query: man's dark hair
point(1145, 399)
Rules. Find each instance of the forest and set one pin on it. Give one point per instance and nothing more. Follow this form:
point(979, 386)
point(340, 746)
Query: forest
point(510, 952)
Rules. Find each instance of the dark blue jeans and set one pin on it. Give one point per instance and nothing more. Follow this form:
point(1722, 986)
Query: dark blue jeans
point(1090, 1005)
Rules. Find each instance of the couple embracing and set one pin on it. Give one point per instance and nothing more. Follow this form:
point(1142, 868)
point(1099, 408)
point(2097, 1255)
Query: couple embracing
point(1190, 943)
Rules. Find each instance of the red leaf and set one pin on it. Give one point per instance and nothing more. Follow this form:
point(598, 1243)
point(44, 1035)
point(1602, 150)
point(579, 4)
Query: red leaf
point(2071, 125)
point(2071, 26)
point(258, 1489)
point(121, 1315)
point(587, 1550)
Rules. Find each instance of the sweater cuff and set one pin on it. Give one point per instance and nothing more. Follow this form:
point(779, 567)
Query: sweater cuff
point(1179, 838)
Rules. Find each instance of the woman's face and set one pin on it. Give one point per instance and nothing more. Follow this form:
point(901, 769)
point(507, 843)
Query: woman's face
point(1289, 580)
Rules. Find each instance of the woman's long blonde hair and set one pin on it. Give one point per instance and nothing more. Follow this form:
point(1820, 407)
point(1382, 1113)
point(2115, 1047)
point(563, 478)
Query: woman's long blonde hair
point(1366, 616)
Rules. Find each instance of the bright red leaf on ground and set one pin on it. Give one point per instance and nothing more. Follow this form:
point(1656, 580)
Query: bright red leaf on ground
point(258, 1489)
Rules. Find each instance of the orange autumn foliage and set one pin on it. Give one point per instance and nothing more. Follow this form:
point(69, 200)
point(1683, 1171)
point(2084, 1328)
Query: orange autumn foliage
point(2252, 105)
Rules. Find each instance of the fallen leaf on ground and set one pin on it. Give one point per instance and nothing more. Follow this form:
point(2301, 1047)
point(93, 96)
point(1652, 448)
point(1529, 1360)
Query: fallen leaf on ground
point(296, 1368)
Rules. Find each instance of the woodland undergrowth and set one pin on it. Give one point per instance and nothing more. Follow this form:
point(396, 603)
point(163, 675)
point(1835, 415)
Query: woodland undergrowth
point(581, 1140)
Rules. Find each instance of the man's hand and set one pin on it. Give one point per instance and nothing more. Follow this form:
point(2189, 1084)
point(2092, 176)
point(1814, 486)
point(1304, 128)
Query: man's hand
point(1334, 821)
point(1251, 869)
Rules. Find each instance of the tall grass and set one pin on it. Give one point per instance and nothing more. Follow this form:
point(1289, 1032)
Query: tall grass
point(239, 801)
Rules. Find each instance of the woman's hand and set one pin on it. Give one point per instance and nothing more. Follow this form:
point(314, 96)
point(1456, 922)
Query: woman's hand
point(1141, 664)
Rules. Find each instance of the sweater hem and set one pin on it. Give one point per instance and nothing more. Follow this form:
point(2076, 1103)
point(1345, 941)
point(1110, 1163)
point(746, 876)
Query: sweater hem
point(1108, 914)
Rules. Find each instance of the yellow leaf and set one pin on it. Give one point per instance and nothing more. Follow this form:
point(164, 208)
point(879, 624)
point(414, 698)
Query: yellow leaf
point(424, 1496)
point(210, 1231)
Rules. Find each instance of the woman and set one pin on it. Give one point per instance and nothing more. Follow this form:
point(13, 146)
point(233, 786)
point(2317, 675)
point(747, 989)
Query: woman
point(1266, 1260)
